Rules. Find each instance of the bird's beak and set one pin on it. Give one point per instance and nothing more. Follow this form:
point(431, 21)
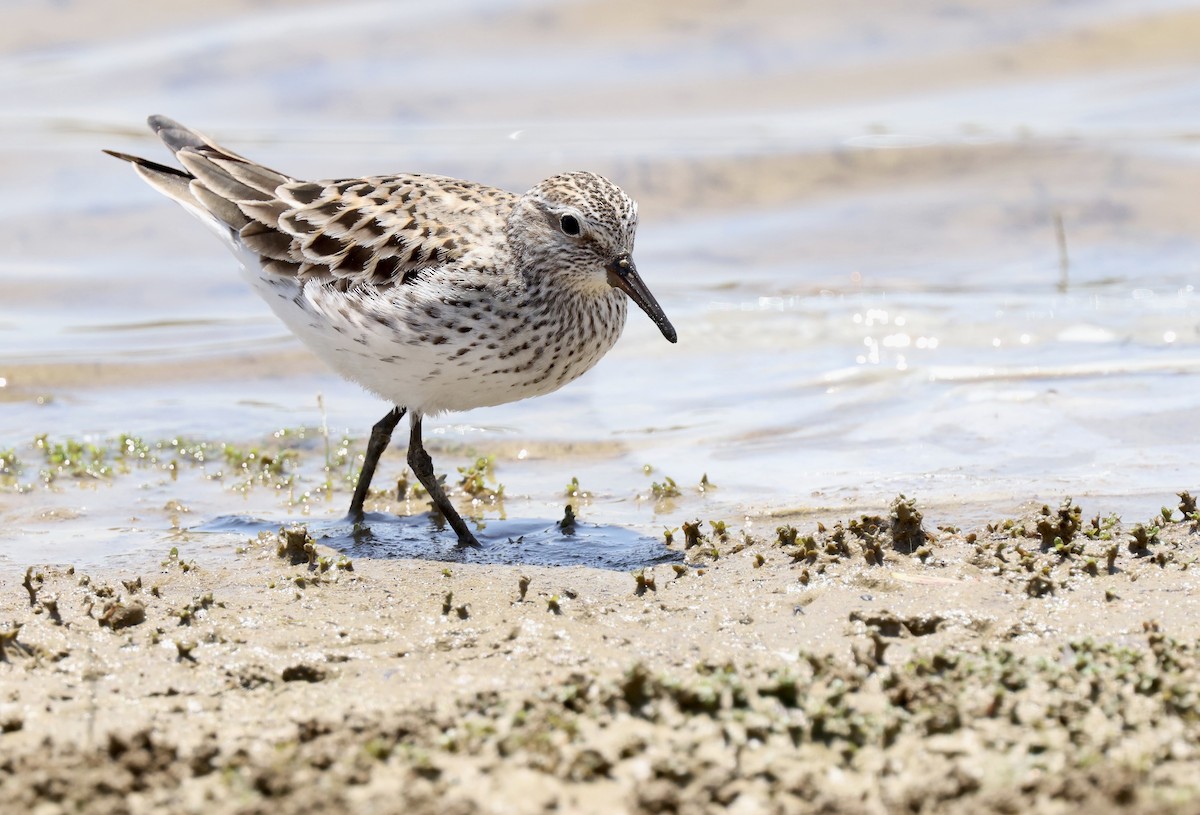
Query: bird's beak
point(622, 274)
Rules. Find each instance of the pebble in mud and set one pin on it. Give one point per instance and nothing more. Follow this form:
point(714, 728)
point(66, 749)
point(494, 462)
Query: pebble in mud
point(303, 672)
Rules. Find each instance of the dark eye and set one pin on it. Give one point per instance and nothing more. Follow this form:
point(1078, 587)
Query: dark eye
point(570, 225)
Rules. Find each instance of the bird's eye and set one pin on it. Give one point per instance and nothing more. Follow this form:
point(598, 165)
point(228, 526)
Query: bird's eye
point(570, 225)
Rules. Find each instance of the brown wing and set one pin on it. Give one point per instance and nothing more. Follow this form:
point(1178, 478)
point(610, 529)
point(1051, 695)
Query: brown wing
point(379, 230)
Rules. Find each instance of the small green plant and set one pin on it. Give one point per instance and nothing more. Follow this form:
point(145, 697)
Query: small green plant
point(1059, 527)
point(573, 490)
point(1141, 538)
point(475, 480)
point(1103, 528)
point(644, 582)
point(667, 489)
point(10, 467)
point(73, 459)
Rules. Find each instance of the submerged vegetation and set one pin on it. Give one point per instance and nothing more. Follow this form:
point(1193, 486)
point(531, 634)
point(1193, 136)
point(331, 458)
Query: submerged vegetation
point(303, 466)
point(266, 465)
point(479, 481)
point(275, 463)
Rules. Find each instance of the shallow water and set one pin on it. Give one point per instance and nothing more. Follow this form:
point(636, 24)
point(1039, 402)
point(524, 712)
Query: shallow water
point(848, 211)
point(506, 542)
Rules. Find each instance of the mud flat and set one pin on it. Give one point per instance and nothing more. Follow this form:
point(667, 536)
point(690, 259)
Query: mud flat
point(1043, 663)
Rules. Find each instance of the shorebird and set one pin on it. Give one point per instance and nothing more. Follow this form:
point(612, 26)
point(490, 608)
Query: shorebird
point(433, 293)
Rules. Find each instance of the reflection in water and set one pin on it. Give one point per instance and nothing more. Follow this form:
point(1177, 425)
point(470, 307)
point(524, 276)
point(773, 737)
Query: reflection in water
point(849, 213)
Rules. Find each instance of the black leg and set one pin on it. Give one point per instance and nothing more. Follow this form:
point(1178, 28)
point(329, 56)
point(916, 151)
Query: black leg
point(422, 466)
point(381, 436)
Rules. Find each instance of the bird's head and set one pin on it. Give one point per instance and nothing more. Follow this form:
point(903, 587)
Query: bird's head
point(577, 229)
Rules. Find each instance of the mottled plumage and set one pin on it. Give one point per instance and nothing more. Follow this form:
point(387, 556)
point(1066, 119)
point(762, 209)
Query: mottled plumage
point(434, 293)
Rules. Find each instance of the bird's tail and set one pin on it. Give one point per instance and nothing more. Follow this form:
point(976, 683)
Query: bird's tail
point(216, 185)
point(169, 181)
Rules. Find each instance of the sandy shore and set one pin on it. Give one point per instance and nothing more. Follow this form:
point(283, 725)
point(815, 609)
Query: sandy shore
point(822, 668)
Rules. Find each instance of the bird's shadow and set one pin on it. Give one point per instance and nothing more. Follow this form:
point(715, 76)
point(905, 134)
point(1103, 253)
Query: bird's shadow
point(532, 542)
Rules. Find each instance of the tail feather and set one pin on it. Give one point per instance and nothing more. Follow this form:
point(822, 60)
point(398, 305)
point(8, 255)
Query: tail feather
point(216, 184)
point(176, 136)
point(179, 138)
point(252, 175)
point(147, 163)
point(171, 182)
point(226, 211)
point(208, 172)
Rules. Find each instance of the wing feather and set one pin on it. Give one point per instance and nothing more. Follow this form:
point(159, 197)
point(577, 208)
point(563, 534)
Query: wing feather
point(380, 230)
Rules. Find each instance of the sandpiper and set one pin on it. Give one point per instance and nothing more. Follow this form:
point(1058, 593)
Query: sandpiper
point(434, 293)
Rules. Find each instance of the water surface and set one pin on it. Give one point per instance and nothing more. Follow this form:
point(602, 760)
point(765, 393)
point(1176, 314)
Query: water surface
point(848, 211)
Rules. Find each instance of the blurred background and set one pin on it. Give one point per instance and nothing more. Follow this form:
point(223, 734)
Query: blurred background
point(941, 248)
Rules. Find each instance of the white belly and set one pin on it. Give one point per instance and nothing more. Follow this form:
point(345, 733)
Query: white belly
point(408, 347)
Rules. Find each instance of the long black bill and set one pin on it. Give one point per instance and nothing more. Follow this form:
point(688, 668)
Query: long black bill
point(622, 274)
